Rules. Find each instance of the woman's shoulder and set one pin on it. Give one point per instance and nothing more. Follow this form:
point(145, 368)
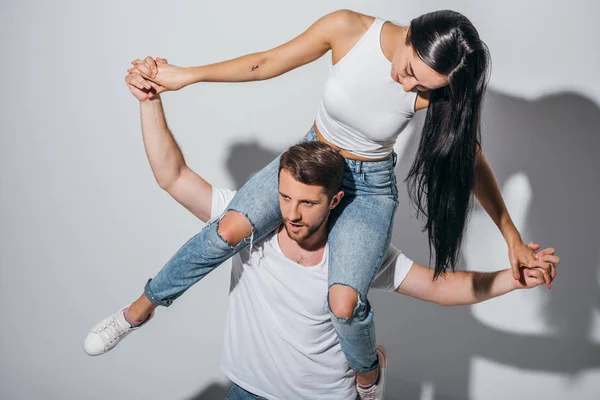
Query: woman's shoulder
point(349, 23)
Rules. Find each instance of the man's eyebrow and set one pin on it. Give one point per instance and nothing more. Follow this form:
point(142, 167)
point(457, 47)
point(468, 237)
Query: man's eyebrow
point(313, 201)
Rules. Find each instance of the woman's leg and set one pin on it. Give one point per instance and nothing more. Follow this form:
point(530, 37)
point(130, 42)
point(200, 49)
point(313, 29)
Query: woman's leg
point(359, 237)
point(200, 255)
point(252, 214)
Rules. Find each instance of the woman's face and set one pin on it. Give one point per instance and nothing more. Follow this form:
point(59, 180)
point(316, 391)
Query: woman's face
point(411, 72)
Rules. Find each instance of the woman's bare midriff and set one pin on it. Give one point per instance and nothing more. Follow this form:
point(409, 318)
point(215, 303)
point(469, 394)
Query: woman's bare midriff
point(344, 153)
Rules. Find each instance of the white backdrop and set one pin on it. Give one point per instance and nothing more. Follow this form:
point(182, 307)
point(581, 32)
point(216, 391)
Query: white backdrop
point(83, 223)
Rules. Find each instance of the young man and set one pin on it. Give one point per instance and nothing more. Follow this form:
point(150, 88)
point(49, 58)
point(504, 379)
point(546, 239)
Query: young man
point(280, 342)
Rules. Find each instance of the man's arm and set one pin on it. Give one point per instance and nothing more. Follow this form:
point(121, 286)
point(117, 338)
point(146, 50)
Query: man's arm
point(165, 157)
point(470, 287)
point(458, 288)
point(168, 164)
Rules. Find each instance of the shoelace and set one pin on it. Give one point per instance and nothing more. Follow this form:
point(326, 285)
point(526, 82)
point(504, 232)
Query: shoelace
point(110, 331)
point(368, 393)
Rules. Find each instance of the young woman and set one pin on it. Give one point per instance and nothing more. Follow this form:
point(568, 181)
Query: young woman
point(381, 75)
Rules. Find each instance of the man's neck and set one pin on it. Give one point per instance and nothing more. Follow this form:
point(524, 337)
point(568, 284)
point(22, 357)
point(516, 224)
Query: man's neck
point(307, 253)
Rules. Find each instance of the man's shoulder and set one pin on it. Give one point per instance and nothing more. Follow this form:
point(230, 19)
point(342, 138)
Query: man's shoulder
point(220, 200)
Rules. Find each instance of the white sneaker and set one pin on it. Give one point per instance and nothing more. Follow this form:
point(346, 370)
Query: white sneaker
point(107, 333)
point(377, 391)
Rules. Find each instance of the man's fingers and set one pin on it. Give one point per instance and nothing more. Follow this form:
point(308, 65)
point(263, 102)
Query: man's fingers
point(549, 267)
point(156, 89)
point(140, 94)
point(549, 250)
point(551, 259)
point(540, 264)
point(533, 246)
point(546, 255)
point(542, 270)
point(133, 82)
point(137, 71)
point(546, 275)
point(539, 275)
point(142, 82)
point(137, 81)
point(152, 65)
point(143, 69)
point(535, 274)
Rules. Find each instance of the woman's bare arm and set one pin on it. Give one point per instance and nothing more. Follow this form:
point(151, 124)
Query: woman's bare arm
point(309, 46)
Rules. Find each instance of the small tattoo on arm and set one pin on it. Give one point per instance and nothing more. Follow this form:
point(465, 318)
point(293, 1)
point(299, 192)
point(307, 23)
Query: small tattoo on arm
point(255, 68)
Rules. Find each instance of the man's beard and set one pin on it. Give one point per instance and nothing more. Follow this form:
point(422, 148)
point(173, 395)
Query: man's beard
point(304, 234)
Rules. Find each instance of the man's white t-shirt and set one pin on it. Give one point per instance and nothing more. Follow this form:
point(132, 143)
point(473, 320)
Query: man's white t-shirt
point(279, 338)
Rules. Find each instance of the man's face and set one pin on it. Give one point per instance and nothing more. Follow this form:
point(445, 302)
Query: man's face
point(304, 207)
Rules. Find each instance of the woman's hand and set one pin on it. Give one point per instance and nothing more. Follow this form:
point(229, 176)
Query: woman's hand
point(540, 271)
point(165, 76)
point(522, 255)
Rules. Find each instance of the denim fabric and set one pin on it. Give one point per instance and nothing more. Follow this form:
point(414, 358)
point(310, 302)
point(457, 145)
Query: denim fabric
point(360, 229)
point(359, 236)
point(258, 200)
point(238, 393)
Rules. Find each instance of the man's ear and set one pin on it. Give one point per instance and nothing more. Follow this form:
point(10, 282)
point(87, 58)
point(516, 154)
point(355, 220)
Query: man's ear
point(335, 200)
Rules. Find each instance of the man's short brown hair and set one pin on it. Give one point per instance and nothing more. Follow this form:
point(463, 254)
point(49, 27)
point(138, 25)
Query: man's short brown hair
point(315, 163)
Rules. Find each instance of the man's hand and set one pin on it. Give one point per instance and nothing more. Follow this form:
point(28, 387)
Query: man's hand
point(137, 78)
point(541, 270)
point(165, 76)
point(139, 87)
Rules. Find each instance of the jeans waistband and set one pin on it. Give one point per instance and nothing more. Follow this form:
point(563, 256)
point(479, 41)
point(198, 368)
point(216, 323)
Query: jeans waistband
point(372, 166)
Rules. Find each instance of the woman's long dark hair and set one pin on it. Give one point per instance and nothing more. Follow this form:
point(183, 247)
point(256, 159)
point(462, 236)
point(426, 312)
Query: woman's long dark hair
point(441, 179)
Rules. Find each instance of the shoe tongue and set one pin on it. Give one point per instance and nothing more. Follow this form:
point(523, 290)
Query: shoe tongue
point(122, 322)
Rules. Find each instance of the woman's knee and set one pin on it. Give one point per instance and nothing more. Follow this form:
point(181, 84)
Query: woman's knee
point(342, 301)
point(234, 227)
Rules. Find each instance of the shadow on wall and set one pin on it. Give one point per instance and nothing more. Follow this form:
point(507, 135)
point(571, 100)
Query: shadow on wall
point(246, 159)
point(214, 391)
point(553, 141)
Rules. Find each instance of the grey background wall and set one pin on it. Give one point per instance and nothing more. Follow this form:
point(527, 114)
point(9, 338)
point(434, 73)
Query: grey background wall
point(83, 224)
